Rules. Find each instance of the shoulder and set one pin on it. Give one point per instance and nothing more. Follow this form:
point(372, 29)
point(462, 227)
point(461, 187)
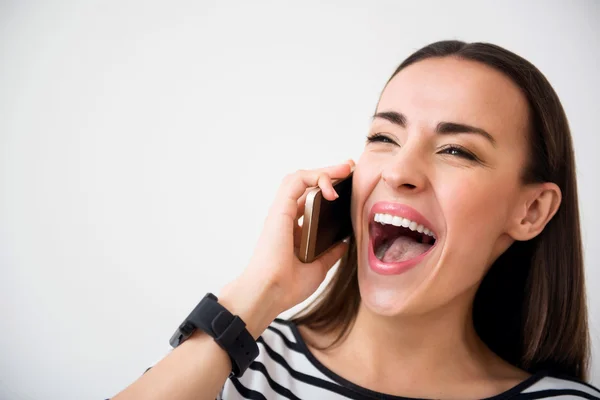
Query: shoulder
point(553, 385)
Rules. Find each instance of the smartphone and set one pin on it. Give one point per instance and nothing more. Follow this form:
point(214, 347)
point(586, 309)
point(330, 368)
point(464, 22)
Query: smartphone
point(325, 222)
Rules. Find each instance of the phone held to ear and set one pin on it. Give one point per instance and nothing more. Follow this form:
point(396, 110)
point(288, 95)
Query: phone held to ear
point(325, 222)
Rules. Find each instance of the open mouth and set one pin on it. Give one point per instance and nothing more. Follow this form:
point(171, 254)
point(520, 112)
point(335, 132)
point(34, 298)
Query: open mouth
point(394, 241)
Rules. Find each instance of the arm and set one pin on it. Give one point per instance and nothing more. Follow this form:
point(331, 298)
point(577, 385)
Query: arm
point(198, 368)
point(274, 281)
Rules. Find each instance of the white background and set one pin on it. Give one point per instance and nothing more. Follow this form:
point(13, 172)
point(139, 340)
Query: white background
point(141, 144)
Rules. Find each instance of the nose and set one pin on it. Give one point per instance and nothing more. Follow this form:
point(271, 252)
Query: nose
point(406, 170)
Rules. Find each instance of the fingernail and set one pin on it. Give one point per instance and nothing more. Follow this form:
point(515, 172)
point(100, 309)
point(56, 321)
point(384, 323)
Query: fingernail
point(351, 163)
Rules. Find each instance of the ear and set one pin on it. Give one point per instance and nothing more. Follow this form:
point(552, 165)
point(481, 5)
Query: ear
point(538, 205)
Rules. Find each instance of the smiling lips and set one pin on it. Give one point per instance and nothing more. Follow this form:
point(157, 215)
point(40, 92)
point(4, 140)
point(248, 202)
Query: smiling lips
point(398, 231)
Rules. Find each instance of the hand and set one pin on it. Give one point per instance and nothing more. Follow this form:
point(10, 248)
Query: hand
point(274, 267)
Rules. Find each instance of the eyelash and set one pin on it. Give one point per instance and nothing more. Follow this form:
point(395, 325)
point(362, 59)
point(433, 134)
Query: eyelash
point(377, 137)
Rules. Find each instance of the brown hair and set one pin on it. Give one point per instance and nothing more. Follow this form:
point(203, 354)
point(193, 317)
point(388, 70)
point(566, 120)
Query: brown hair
point(530, 307)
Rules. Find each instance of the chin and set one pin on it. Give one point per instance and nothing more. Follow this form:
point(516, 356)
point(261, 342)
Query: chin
point(384, 296)
point(382, 302)
point(395, 294)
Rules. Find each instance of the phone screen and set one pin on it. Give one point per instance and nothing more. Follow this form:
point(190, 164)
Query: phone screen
point(334, 217)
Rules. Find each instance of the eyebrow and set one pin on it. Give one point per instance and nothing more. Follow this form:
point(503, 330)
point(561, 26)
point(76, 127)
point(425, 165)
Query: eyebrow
point(444, 127)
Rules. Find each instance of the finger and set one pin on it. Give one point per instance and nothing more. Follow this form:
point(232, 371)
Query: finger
point(296, 184)
point(326, 184)
point(297, 235)
point(301, 204)
point(327, 189)
point(302, 200)
point(328, 260)
point(328, 169)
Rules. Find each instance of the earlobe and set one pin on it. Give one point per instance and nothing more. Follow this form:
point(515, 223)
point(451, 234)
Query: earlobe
point(541, 203)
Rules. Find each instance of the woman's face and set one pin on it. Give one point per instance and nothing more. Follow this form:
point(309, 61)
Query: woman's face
point(466, 202)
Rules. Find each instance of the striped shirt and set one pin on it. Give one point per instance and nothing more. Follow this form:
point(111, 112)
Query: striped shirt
point(286, 369)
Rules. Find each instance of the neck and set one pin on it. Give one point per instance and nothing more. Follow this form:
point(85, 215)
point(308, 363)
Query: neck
point(419, 348)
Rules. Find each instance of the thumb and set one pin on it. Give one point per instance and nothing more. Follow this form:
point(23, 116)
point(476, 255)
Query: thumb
point(330, 257)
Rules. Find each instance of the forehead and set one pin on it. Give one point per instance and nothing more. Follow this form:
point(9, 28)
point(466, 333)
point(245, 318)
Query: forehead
point(455, 90)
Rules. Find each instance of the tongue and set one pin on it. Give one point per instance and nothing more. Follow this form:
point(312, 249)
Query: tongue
point(404, 248)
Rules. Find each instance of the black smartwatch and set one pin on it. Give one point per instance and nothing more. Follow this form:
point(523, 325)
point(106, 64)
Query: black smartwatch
point(228, 330)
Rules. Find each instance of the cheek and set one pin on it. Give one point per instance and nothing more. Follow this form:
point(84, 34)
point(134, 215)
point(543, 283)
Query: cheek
point(464, 202)
point(475, 209)
point(366, 175)
point(469, 206)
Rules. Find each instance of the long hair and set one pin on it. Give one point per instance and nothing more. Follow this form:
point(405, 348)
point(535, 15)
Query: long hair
point(530, 308)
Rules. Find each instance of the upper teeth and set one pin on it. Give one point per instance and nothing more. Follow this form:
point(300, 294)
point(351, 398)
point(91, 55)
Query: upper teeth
point(404, 222)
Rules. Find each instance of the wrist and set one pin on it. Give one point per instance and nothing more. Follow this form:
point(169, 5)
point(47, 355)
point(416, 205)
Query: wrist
point(256, 307)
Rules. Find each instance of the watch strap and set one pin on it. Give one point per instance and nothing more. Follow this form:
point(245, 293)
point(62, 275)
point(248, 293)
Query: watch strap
point(228, 330)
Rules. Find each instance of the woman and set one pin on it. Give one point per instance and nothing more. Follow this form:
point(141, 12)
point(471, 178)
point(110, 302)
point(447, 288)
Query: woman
point(470, 142)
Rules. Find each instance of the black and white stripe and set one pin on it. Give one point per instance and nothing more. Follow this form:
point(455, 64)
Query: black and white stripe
point(285, 369)
point(555, 387)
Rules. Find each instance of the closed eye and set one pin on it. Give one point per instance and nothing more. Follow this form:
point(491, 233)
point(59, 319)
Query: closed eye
point(378, 137)
point(460, 152)
point(454, 150)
